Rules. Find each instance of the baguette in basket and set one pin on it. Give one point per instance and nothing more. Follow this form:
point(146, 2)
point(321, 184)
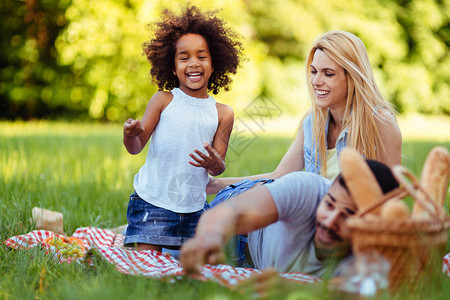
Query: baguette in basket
point(395, 210)
point(434, 180)
point(361, 182)
point(414, 246)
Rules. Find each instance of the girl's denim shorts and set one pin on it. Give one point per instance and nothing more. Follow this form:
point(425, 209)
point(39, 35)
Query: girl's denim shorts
point(149, 224)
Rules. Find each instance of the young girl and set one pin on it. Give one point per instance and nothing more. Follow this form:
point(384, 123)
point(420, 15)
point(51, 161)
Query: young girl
point(190, 55)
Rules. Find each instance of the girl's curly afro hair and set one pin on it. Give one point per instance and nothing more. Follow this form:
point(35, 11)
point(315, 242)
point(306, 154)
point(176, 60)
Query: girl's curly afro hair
point(225, 50)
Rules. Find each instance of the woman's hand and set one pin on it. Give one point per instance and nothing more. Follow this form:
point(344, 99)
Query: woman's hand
point(212, 162)
point(213, 187)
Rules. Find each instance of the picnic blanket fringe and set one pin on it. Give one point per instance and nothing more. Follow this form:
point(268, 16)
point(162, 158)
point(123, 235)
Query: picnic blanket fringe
point(147, 263)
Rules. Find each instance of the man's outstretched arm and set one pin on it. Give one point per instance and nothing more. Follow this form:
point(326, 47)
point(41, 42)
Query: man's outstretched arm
point(249, 211)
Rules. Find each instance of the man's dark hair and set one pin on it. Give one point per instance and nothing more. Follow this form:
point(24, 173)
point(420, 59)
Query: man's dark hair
point(382, 173)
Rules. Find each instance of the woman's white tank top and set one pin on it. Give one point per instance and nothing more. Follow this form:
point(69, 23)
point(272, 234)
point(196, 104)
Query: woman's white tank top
point(167, 179)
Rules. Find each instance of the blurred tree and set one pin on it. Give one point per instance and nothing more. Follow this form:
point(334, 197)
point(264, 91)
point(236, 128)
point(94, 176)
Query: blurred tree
point(30, 78)
point(103, 45)
point(85, 57)
point(407, 42)
point(421, 80)
point(289, 28)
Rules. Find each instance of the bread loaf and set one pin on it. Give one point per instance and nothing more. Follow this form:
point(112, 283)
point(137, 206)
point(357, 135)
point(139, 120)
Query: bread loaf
point(360, 181)
point(395, 209)
point(434, 179)
point(48, 220)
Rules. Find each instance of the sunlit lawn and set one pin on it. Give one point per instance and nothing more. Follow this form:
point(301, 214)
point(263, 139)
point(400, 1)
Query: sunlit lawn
point(83, 171)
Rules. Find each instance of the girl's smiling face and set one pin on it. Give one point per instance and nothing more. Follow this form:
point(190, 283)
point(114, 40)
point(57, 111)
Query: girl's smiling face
point(193, 65)
point(329, 81)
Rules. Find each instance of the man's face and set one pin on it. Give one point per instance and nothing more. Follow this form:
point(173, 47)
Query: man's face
point(332, 237)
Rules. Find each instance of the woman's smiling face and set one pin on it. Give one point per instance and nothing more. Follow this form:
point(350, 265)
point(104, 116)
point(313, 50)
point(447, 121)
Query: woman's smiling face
point(329, 81)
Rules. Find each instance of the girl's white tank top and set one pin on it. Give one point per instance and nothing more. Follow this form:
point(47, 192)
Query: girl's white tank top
point(167, 179)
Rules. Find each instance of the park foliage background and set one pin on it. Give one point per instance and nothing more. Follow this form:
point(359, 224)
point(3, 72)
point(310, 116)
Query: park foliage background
point(69, 60)
point(81, 59)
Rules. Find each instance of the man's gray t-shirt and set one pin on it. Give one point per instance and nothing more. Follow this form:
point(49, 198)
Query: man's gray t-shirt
point(287, 245)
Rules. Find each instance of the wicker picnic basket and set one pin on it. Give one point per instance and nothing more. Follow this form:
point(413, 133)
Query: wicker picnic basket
point(414, 247)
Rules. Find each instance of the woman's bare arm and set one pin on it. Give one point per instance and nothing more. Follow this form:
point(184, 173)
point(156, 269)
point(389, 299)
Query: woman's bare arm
point(292, 161)
point(391, 137)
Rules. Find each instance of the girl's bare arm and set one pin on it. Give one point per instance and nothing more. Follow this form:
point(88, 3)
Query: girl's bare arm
point(214, 161)
point(137, 133)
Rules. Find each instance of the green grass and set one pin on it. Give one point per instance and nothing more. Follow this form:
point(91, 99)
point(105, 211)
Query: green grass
point(83, 171)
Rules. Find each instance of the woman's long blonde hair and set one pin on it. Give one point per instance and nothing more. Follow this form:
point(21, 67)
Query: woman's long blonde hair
point(363, 96)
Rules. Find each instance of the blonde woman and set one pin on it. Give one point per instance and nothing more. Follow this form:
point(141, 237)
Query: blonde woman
point(348, 110)
point(347, 107)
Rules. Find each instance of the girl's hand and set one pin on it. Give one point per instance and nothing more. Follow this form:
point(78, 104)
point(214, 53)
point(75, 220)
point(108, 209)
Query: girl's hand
point(212, 162)
point(132, 128)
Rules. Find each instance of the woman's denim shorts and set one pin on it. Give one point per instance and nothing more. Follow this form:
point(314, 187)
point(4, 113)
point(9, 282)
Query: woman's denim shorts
point(149, 224)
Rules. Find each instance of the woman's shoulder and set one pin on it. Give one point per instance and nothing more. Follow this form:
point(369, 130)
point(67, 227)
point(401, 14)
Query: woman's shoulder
point(387, 123)
point(306, 119)
point(385, 115)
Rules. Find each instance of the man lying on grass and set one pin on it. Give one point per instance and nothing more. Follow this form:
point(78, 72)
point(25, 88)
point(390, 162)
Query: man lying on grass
point(295, 224)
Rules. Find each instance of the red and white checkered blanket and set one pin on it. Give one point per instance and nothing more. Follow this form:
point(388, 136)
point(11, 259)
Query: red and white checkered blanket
point(147, 263)
point(150, 263)
point(446, 264)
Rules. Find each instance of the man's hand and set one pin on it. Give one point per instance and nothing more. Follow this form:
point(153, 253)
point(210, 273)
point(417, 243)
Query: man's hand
point(246, 212)
point(270, 285)
point(214, 229)
point(267, 284)
point(197, 252)
point(212, 162)
point(132, 128)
